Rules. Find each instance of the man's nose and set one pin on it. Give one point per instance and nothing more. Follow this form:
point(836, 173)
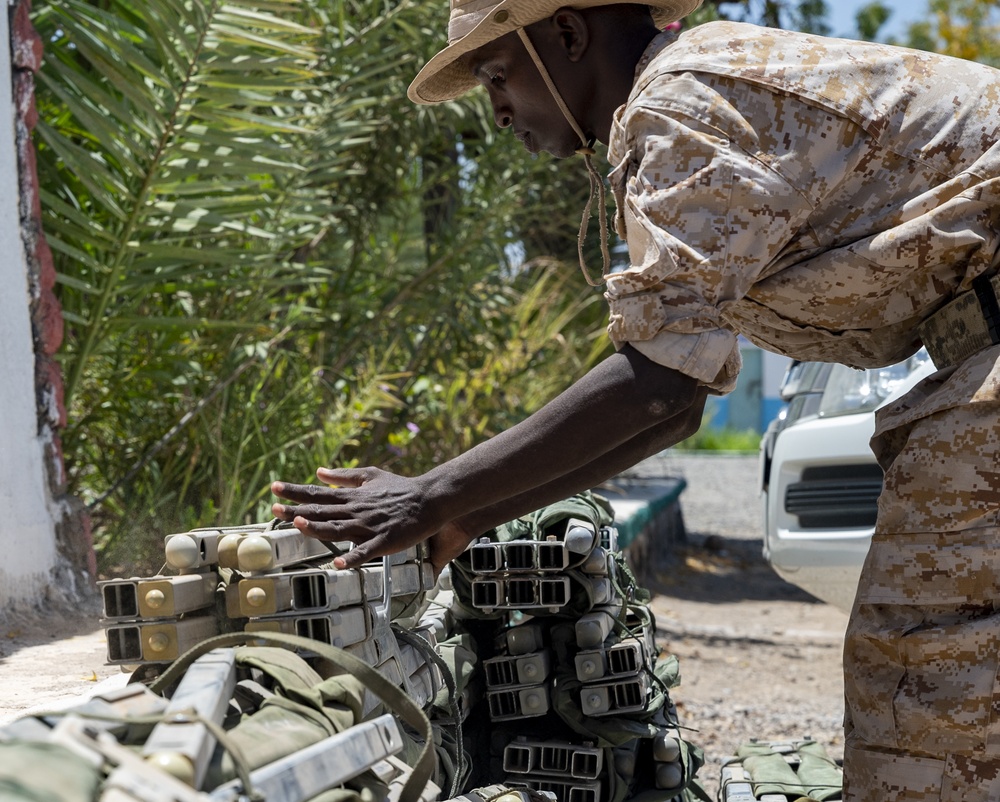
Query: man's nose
point(502, 116)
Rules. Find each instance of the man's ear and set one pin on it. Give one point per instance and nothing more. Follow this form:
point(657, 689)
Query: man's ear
point(572, 31)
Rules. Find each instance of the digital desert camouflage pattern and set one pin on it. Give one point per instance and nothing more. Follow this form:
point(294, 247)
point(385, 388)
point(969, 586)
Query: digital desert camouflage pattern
point(819, 196)
point(822, 198)
point(922, 652)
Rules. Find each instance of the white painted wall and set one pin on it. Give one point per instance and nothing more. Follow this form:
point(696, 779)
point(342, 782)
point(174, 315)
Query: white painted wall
point(27, 526)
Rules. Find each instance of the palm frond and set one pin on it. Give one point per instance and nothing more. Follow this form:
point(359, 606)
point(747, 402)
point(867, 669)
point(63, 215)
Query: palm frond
point(129, 97)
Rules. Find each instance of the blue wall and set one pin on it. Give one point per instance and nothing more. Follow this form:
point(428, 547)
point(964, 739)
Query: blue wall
point(755, 401)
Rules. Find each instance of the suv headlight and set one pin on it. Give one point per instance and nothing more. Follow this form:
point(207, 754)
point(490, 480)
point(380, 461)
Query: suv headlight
point(849, 391)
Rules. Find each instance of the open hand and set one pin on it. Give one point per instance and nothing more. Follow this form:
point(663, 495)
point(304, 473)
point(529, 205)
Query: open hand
point(380, 512)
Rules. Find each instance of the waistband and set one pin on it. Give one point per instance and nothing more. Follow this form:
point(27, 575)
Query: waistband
point(965, 325)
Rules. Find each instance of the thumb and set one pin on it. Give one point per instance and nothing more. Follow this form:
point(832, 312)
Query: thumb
point(342, 477)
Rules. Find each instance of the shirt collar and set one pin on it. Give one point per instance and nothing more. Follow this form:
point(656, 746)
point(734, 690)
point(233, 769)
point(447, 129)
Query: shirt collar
point(653, 49)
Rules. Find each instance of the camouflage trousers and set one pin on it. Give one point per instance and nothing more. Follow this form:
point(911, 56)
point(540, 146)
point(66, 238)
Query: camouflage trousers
point(922, 651)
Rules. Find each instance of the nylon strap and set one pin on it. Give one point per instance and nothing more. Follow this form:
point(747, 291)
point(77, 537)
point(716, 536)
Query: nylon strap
point(432, 656)
point(586, 150)
point(395, 699)
point(986, 294)
point(552, 88)
point(965, 325)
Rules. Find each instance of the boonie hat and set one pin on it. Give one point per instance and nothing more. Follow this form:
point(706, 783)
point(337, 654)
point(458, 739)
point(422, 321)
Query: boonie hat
point(474, 23)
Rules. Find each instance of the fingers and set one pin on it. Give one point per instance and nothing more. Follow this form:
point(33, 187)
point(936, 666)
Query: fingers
point(319, 494)
point(355, 558)
point(343, 513)
point(338, 477)
point(337, 529)
point(366, 548)
point(311, 512)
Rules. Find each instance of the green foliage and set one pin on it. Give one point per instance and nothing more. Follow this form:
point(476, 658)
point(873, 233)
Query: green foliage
point(870, 19)
point(810, 16)
point(968, 29)
point(709, 439)
point(270, 260)
point(801, 15)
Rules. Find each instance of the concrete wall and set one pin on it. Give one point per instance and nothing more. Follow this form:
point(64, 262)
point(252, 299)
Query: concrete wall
point(27, 528)
point(44, 535)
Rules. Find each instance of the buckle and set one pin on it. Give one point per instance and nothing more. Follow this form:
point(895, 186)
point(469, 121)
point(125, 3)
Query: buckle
point(965, 325)
point(986, 288)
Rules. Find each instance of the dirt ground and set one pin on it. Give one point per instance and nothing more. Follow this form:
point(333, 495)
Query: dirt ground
point(52, 656)
point(759, 658)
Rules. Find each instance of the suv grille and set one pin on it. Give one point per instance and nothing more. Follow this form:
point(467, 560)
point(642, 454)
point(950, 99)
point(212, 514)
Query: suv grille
point(835, 496)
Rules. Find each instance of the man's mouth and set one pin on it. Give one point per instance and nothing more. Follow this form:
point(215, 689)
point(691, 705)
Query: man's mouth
point(525, 139)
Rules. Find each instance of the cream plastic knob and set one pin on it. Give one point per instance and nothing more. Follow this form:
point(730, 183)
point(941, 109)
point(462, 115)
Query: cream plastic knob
point(254, 553)
point(669, 775)
point(665, 748)
point(174, 764)
point(228, 545)
point(182, 552)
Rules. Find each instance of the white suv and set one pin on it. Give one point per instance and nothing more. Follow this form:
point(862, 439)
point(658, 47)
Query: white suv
point(819, 479)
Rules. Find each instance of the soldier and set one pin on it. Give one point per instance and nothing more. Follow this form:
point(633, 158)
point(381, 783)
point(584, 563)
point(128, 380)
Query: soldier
point(830, 200)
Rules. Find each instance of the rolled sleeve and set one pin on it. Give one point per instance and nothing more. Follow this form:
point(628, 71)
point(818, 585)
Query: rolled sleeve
point(702, 220)
point(696, 356)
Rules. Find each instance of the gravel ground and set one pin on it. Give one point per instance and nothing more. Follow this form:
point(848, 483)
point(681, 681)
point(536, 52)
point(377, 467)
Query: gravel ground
point(759, 658)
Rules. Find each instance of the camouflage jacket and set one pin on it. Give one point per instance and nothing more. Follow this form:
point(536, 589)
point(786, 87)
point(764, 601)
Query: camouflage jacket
point(819, 196)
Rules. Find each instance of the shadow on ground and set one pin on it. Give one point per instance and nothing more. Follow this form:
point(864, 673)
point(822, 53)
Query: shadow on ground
point(717, 569)
point(47, 622)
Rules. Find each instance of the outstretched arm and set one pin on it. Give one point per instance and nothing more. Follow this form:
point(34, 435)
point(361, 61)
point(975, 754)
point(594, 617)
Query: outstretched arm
point(609, 408)
point(643, 445)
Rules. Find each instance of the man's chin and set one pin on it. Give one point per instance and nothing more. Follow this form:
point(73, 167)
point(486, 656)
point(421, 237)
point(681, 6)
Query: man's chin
point(562, 150)
point(558, 151)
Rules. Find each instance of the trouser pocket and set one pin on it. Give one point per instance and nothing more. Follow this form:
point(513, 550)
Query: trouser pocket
point(947, 698)
point(924, 679)
point(878, 775)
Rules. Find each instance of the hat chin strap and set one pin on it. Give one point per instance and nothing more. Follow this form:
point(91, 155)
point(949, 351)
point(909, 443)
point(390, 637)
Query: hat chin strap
point(585, 150)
